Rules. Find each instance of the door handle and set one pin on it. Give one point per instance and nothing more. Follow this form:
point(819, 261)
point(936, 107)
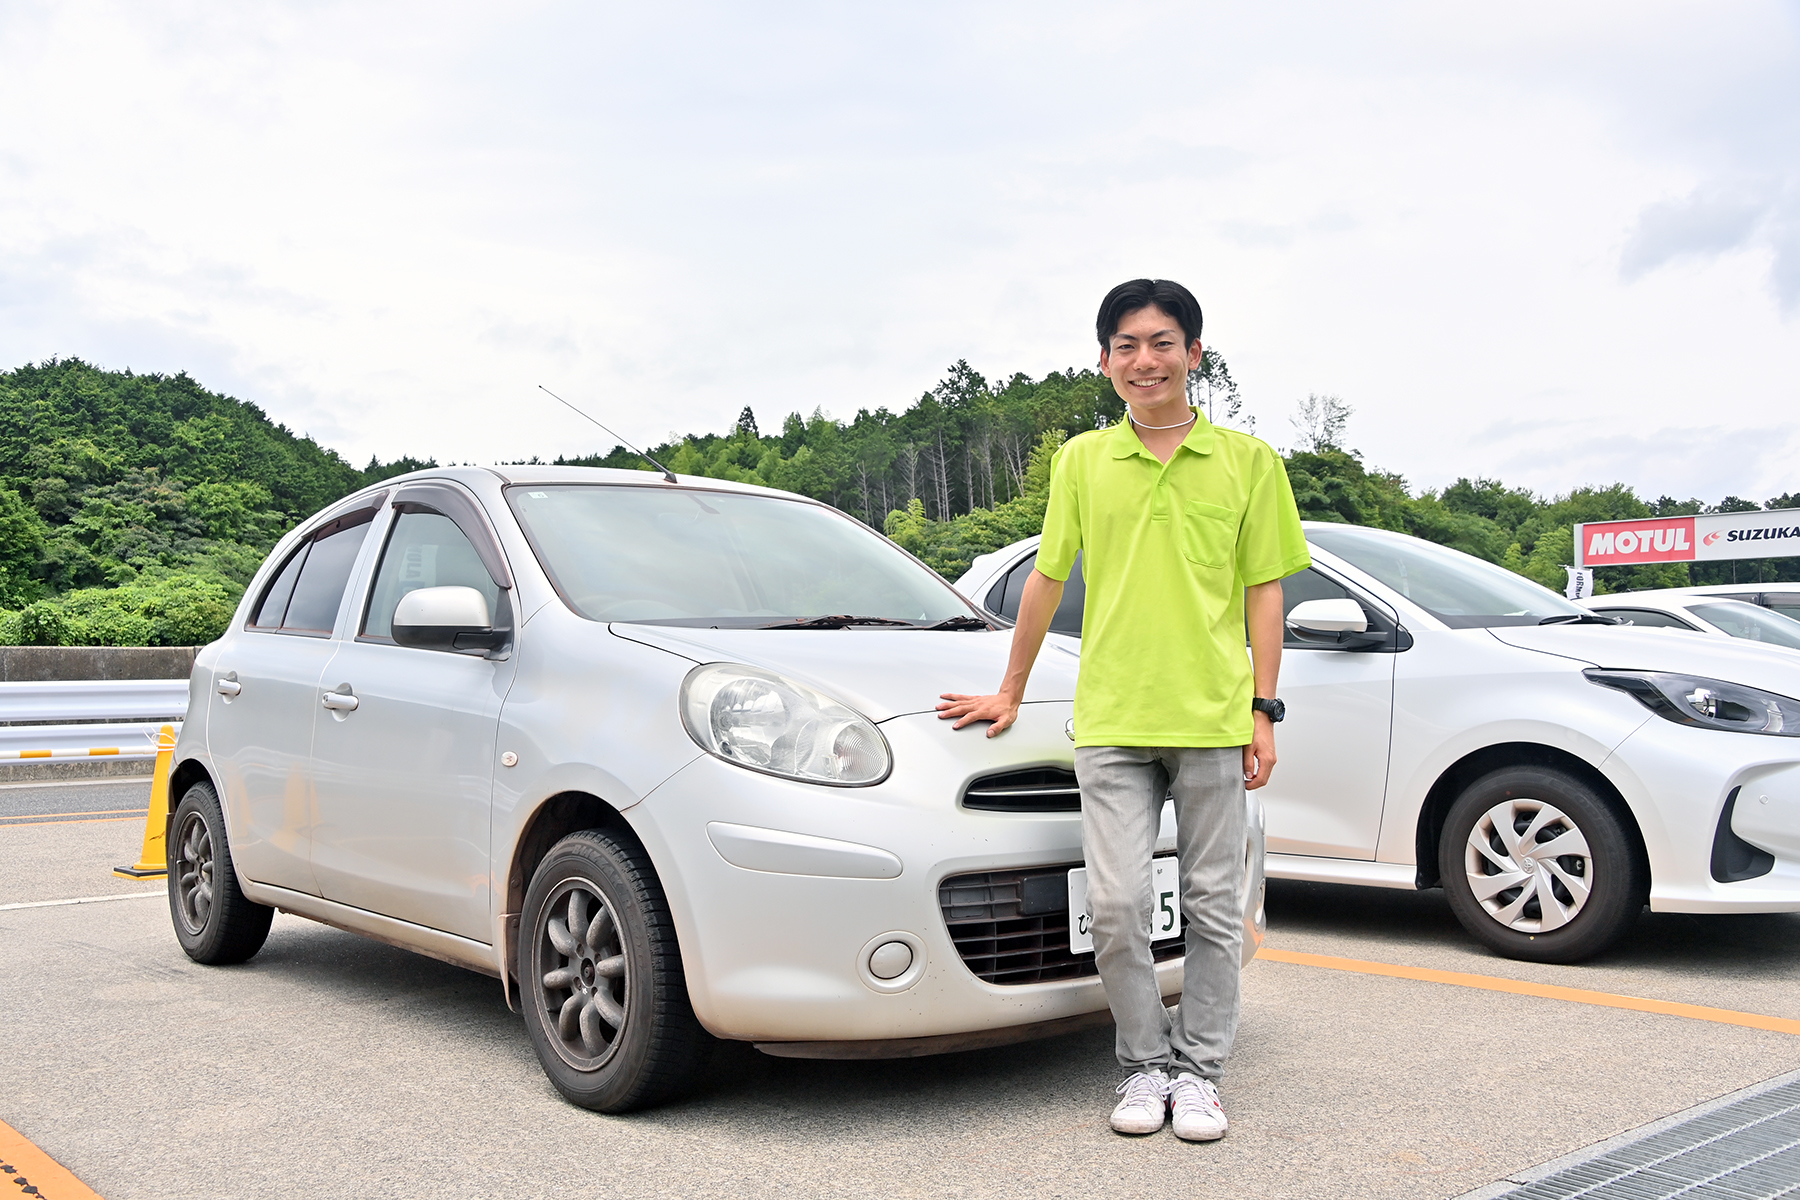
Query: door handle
point(340, 699)
point(228, 685)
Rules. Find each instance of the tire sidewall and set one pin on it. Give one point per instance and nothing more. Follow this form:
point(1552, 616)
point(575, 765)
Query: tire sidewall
point(208, 944)
point(595, 860)
point(1616, 897)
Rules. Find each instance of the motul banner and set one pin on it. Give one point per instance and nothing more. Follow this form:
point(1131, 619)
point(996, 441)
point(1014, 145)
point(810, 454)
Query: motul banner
point(1771, 534)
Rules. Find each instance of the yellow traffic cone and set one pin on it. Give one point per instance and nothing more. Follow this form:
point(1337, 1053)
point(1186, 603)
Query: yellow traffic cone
point(154, 862)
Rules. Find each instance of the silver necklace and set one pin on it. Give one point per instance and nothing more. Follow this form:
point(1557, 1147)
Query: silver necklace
point(1141, 425)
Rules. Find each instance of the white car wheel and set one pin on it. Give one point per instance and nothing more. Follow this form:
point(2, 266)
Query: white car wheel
point(1540, 867)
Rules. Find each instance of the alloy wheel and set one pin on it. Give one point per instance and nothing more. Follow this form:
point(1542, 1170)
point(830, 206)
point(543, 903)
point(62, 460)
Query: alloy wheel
point(581, 975)
point(194, 868)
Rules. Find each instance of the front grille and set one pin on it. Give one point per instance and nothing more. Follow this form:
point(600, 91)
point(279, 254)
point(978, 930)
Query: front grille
point(1040, 789)
point(1013, 926)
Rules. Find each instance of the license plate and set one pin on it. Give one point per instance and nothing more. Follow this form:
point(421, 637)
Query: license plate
point(1165, 908)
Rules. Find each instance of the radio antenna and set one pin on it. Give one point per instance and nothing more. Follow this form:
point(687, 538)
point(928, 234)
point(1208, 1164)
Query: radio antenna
point(667, 474)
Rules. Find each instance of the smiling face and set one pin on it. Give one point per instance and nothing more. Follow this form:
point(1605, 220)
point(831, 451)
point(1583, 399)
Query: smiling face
point(1148, 364)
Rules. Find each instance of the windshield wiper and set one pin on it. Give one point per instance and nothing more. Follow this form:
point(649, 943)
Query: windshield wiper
point(1586, 618)
point(958, 623)
point(838, 622)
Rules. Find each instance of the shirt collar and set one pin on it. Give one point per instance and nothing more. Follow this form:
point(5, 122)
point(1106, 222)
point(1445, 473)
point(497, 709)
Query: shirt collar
point(1199, 439)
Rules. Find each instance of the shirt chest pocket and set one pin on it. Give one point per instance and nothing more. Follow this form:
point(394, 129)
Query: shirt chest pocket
point(1209, 534)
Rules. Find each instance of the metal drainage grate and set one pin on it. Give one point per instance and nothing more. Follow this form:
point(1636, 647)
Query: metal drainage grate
point(1013, 926)
point(1749, 1150)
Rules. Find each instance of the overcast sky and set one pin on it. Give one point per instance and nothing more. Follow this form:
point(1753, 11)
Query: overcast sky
point(1551, 243)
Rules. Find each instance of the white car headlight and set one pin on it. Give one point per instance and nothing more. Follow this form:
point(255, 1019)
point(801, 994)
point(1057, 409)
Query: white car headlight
point(1709, 703)
point(763, 721)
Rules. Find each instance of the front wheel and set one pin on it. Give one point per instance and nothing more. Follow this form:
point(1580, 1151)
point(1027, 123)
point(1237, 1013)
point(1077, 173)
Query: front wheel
point(1539, 867)
point(600, 974)
point(214, 921)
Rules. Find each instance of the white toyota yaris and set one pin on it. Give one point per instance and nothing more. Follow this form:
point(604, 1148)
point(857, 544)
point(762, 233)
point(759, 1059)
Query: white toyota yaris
point(664, 757)
point(1451, 723)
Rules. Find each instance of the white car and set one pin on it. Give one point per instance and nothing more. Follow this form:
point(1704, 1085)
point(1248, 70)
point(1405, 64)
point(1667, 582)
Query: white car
point(1451, 723)
point(1700, 612)
point(661, 755)
point(1783, 598)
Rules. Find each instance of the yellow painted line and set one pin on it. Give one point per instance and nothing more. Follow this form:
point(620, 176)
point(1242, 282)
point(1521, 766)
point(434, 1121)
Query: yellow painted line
point(25, 1166)
point(1547, 991)
point(90, 812)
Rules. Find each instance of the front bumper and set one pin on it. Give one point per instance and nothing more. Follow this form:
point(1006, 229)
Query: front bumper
point(773, 955)
point(1678, 779)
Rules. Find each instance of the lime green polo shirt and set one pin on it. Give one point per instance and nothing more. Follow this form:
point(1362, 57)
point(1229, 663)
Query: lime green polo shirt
point(1167, 553)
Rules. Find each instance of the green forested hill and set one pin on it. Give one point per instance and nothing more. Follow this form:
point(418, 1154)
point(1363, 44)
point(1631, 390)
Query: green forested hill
point(134, 508)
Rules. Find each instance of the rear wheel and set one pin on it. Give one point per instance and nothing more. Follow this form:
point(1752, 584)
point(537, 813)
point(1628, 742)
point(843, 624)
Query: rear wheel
point(604, 995)
point(1539, 867)
point(214, 921)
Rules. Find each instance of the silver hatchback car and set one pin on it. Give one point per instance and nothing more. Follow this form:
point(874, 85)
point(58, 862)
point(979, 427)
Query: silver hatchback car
point(661, 756)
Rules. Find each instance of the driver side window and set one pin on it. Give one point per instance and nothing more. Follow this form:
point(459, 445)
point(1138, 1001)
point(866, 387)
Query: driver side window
point(424, 549)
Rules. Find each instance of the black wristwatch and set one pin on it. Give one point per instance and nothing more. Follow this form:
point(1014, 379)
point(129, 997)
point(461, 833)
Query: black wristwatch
point(1275, 708)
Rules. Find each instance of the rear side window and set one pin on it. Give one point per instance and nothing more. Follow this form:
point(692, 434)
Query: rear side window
point(305, 595)
point(274, 604)
point(1006, 593)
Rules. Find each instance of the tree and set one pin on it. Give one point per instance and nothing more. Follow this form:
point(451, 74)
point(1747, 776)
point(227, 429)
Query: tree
point(1319, 422)
point(1212, 390)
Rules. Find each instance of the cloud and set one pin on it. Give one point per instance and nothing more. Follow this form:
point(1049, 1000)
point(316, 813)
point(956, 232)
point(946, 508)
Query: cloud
point(1720, 219)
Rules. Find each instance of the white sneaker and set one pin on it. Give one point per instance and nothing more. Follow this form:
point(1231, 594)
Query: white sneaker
point(1145, 1106)
point(1199, 1117)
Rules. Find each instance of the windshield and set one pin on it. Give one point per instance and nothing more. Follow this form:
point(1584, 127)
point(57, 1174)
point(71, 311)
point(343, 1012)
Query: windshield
point(1742, 620)
point(1458, 589)
point(668, 556)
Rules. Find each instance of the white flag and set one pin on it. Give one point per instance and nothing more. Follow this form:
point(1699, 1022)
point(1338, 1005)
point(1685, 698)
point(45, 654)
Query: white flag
point(1581, 582)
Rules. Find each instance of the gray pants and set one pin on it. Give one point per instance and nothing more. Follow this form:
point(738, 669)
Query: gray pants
point(1122, 793)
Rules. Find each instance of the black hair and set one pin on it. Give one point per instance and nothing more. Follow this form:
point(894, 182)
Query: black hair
point(1165, 294)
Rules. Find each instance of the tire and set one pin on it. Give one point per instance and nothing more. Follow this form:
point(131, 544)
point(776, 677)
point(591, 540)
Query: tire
point(214, 921)
point(606, 1006)
point(1552, 910)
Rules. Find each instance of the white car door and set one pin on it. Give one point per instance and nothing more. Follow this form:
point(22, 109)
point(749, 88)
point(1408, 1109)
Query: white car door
point(1330, 781)
point(403, 761)
point(265, 697)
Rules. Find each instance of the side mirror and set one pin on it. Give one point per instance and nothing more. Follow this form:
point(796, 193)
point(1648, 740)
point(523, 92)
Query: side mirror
point(1325, 617)
point(446, 618)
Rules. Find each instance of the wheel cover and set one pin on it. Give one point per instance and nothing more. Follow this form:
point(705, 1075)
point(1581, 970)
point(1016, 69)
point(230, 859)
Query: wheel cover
point(194, 873)
point(1529, 866)
point(578, 963)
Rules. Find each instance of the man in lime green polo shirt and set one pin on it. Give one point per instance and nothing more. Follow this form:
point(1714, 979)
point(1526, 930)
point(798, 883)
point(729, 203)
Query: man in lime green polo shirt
point(1186, 531)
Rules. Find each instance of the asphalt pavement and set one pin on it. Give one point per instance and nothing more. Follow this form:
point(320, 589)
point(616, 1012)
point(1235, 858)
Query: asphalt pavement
point(77, 799)
point(331, 1064)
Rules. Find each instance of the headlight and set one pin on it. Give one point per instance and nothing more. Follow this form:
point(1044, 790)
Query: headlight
point(760, 720)
point(1709, 703)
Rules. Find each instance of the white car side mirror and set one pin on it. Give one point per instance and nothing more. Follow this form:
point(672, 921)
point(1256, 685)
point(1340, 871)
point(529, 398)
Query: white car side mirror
point(445, 618)
point(1328, 617)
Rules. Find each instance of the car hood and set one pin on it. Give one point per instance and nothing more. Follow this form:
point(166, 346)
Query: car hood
point(882, 673)
point(1735, 660)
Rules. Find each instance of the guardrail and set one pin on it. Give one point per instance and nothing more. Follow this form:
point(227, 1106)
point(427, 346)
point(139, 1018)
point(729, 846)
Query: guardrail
point(105, 704)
